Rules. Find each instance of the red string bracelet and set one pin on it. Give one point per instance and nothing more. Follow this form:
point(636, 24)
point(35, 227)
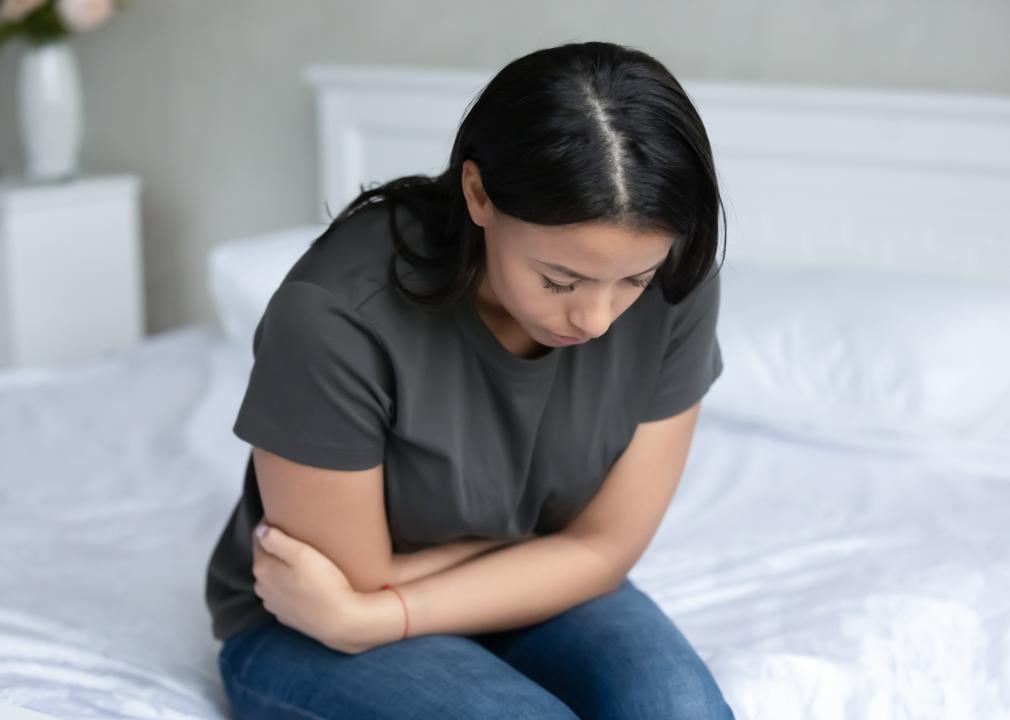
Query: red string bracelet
point(406, 618)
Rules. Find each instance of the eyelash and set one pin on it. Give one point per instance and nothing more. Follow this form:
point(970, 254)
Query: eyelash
point(555, 288)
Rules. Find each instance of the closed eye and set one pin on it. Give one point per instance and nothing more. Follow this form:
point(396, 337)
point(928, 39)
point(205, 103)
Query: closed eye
point(558, 288)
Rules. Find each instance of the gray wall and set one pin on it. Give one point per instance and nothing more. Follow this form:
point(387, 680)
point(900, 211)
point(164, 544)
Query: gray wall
point(205, 101)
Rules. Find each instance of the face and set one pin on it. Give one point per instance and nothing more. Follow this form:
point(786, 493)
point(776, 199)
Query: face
point(560, 284)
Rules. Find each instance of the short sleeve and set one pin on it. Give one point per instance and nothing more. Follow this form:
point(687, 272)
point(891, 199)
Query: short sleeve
point(692, 359)
point(319, 391)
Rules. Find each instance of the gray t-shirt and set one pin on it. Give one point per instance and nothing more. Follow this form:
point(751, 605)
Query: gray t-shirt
point(476, 441)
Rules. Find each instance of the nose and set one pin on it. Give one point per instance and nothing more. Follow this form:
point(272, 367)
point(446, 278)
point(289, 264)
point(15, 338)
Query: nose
point(592, 318)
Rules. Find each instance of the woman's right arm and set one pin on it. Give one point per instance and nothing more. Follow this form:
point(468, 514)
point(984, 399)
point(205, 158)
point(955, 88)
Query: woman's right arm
point(342, 514)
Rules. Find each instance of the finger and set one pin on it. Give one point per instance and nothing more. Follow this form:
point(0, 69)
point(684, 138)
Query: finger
point(265, 564)
point(278, 543)
point(260, 590)
point(258, 543)
point(261, 559)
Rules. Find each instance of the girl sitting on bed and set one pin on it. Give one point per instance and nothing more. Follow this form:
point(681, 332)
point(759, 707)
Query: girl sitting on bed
point(472, 399)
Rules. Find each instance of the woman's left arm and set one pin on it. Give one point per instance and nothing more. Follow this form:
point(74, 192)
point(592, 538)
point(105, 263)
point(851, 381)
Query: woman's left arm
point(530, 582)
point(413, 566)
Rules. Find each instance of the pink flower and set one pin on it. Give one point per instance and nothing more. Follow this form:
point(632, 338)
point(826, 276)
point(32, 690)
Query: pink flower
point(13, 10)
point(83, 15)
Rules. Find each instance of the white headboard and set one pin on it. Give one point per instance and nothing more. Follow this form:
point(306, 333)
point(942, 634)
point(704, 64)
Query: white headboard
point(810, 176)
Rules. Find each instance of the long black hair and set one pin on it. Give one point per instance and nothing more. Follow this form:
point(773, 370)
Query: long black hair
point(580, 132)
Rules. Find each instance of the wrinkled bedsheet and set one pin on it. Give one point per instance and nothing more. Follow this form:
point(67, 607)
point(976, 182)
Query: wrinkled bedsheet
point(817, 581)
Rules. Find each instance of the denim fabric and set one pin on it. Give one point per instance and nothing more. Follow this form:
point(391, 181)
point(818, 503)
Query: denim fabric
point(616, 657)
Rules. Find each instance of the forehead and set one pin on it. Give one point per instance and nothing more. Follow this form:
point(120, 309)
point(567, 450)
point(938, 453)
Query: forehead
point(589, 244)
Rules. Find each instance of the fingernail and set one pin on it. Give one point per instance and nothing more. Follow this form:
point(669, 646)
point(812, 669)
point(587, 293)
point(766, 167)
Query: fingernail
point(261, 530)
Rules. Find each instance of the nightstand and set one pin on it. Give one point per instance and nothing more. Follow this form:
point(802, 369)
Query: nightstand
point(71, 279)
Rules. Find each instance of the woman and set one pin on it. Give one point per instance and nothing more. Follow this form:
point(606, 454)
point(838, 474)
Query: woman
point(471, 402)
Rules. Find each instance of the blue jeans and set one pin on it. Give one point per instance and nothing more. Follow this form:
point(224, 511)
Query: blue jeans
point(615, 656)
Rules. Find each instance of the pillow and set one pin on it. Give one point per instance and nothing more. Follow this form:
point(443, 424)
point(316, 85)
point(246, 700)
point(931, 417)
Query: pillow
point(870, 357)
point(243, 274)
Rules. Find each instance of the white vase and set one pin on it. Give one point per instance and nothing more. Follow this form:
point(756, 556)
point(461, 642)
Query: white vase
point(49, 104)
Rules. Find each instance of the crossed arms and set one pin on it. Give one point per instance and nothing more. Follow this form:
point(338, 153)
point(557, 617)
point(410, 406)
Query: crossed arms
point(482, 585)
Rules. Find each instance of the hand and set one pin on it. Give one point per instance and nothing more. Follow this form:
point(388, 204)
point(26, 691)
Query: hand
point(305, 590)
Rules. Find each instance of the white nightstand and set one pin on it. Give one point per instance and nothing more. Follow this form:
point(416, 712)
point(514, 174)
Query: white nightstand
point(71, 279)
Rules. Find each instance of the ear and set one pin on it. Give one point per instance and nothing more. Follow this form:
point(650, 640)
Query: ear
point(477, 202)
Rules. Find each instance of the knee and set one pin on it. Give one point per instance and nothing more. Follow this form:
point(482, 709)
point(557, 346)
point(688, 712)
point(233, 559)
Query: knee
point(703, 703)
point(540, 707)
point(696, 696)
point(685, 696)
point(525, 701)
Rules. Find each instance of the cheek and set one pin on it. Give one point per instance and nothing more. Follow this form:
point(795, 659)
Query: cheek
point(523, 294)
point(539, 304)
point(527, 305)
point(627, 302)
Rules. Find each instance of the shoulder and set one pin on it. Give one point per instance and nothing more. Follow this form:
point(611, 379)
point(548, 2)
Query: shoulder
point(306, 319)
point(351, 258)
point(653, 315)
point(341, 284)
point(699, 307)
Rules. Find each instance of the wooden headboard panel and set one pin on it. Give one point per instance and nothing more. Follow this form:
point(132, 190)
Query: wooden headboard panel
point(912, 181)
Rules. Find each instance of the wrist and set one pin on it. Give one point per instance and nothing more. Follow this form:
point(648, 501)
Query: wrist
point(380, 618)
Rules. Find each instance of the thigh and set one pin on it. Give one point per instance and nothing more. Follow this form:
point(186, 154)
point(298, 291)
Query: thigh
point(273, 671)
point(616, 656)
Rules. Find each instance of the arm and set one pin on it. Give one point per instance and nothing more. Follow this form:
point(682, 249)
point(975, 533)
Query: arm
point(535, 580)
point(342, 514)
point(412, 566)
point(339, 512)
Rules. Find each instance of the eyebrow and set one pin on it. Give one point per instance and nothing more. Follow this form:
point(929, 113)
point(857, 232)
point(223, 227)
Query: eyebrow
point(572, 273)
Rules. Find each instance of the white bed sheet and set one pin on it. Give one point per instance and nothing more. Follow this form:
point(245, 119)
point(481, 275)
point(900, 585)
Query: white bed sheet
point(817, 582)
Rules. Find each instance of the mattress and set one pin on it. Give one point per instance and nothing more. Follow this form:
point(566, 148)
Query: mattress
point(817, 581)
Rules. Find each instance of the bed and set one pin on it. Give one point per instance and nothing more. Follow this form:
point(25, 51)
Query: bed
point(838, 546)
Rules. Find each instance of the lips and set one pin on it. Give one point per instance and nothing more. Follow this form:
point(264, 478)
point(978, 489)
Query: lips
point(567, 338)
